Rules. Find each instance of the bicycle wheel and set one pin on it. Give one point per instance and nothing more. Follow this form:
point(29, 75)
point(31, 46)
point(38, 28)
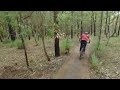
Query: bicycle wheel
point(81, 53)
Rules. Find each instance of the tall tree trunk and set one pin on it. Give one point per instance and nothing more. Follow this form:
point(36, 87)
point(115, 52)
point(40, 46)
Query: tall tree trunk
point(35, 38)
point(23, 42)
point(72, 32)
point(115, 25)
point(29, 37)
point(105, 32)
point(1, 38)
point(108, 27)
point(78, 28)
point(81, 23)
point(57, 48)
point(119, 29)
point(94, 19)
point(41, 30)
point(32, 33)
point(72, 25)
point(12, 33)
point(19, 21)
point(43, 41)
point(99, 38)
point(78, 25)
point(91, 23)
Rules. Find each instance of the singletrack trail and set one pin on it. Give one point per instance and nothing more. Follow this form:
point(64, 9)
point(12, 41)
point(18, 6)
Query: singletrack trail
point(74, 68)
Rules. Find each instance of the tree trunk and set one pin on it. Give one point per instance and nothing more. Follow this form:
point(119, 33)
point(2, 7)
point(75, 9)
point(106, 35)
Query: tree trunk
point(43, 41)
point(1, 38)
point(81, 22)
point(35, 38)
point(57, 48)
point(115, 25)
point(19, 21)
point(12, 33)
point(99, 38)
point(108, 27)
point(91, 23)
point(72, 25)
point(41, 30)
point(78, 25)
point(71, 32)
point(32, 33)
point(105, 32)
point(23, 42)
point(94, 19)
point(119, 29)
point(29, 37)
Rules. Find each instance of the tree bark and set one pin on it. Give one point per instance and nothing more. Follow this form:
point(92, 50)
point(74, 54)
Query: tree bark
point(57, 48)
point(105, 32)
point(91, 29)
point(71, 32)
point(1, 38)
point(115, 25)
point(11, 32)
point(108, 27)
point(119, 29)
point(99, 38)
point(81, 23)
point(35, 38)
point(94, 19)
point(29, 37)
point(19, 21)
point(78, 25)
point(72, 25)
point(43, 41)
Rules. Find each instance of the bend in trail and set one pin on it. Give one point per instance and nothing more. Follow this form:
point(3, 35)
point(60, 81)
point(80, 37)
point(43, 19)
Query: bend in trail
point(74, 68)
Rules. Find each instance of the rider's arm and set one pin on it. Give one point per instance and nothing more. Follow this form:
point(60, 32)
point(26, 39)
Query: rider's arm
point(80, 38)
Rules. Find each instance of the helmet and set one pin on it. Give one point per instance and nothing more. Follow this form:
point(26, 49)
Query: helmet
point(86, 32)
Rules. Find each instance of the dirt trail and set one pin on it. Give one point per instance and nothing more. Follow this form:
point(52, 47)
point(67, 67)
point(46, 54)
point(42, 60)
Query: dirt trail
point(74, 68)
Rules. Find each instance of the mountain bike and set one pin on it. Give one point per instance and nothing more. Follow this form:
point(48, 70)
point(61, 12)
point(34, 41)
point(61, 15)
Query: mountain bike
point(82, 52)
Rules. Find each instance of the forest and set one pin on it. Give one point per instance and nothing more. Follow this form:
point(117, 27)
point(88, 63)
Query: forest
point(45, 45)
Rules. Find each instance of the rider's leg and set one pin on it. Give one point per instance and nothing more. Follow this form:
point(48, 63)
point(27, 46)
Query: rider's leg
point(85, 44)
point(81, 44)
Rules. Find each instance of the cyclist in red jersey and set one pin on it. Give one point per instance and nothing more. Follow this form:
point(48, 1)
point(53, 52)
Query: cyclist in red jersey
point(84, 38)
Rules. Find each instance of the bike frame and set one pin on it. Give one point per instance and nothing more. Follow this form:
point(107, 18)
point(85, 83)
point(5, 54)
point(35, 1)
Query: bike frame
point(81, 52)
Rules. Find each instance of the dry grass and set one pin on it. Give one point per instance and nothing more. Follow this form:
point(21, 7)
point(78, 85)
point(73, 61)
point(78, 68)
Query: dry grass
point(109, 66)
point(13, 65)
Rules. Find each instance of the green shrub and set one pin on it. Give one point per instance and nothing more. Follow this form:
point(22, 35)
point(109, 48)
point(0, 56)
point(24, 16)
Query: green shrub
point(19, 44)
point(50, 33)
point(6, 41)
point(94, 60)
point(12, 44)
point(66, 44)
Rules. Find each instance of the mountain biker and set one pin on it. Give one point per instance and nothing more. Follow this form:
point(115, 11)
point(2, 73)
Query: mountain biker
point(84, 38)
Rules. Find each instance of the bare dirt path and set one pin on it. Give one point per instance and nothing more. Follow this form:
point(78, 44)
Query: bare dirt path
point(74, 68)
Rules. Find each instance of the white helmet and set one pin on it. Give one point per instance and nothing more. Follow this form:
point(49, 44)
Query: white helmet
point(86, 32)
